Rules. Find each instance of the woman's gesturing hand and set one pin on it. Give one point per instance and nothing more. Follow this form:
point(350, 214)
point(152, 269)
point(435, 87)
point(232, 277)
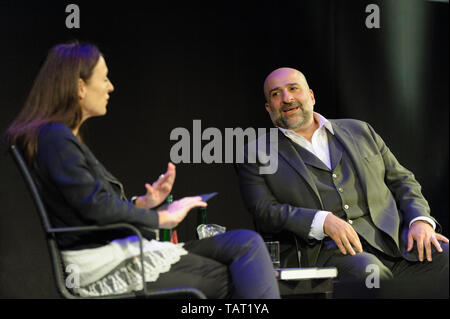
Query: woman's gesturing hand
point(159, 190)
point(178, 210)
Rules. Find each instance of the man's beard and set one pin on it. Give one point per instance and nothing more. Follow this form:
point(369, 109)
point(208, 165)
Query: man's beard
point(294, 121)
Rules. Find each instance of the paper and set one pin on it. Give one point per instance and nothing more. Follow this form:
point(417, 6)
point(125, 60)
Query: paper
point(206, 197)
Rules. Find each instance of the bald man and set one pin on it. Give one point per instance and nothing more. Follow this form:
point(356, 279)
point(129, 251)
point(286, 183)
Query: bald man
point(339, 196)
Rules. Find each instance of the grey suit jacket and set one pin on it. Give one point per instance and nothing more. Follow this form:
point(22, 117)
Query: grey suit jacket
point(287, 201)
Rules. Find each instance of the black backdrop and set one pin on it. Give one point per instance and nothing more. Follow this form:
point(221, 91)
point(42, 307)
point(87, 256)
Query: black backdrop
point(172, 63)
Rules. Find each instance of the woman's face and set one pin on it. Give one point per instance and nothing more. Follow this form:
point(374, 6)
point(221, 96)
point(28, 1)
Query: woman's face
point(94, 93)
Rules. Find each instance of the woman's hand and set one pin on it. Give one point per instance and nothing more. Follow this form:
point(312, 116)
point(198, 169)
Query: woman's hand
point(178, 210)
point(159, 190)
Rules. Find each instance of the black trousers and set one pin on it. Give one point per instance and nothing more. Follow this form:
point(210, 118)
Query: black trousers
point(357, 267)
point(235, 264)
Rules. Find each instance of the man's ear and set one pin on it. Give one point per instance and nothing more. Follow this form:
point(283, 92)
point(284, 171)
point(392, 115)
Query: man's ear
point(81, 88)
point(267, 107)
point(312, 96)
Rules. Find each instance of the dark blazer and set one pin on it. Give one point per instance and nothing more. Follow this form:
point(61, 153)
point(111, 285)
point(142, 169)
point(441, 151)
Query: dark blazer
point(285, 202)
point(78, 190)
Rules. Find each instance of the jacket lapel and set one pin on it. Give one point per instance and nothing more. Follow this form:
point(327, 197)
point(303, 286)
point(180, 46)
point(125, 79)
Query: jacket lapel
point(292, 157)
point(309, 158)
point(335, 150)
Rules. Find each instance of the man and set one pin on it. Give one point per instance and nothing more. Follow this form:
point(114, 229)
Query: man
point(339, 196)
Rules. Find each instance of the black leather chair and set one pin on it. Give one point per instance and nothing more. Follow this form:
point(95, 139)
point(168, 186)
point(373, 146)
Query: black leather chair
point(56, 259)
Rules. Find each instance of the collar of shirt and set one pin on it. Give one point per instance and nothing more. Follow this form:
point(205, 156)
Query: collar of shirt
point(323, 123)
point(319, 142)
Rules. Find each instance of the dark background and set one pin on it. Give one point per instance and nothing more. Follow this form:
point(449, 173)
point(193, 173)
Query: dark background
point(172, 63)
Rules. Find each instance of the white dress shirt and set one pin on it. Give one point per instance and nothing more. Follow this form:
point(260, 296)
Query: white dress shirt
point(319, 147)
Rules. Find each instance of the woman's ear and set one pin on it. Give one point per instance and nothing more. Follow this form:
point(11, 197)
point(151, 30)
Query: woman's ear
point(81, 89)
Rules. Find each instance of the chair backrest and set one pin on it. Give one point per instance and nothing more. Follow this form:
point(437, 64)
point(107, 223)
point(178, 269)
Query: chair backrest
point(57, 263)
point(21, 164)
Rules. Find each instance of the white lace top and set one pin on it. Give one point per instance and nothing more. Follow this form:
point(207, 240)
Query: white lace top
point(115, 268)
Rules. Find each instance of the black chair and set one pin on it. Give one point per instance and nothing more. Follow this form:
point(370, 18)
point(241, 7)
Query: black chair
point(56, 258)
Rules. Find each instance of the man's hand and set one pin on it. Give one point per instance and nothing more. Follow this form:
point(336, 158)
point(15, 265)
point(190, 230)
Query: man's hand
point(342, 233)
point(178, 210)
point(159, 190)
point(424, 235)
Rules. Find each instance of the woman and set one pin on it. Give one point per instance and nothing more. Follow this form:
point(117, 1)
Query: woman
point(71, 87)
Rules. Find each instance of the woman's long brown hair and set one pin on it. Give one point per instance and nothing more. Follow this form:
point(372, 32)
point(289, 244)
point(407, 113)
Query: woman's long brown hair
point(54, 95)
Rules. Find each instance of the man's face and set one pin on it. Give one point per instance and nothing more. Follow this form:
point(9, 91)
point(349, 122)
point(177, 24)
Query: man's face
point(290, 102)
